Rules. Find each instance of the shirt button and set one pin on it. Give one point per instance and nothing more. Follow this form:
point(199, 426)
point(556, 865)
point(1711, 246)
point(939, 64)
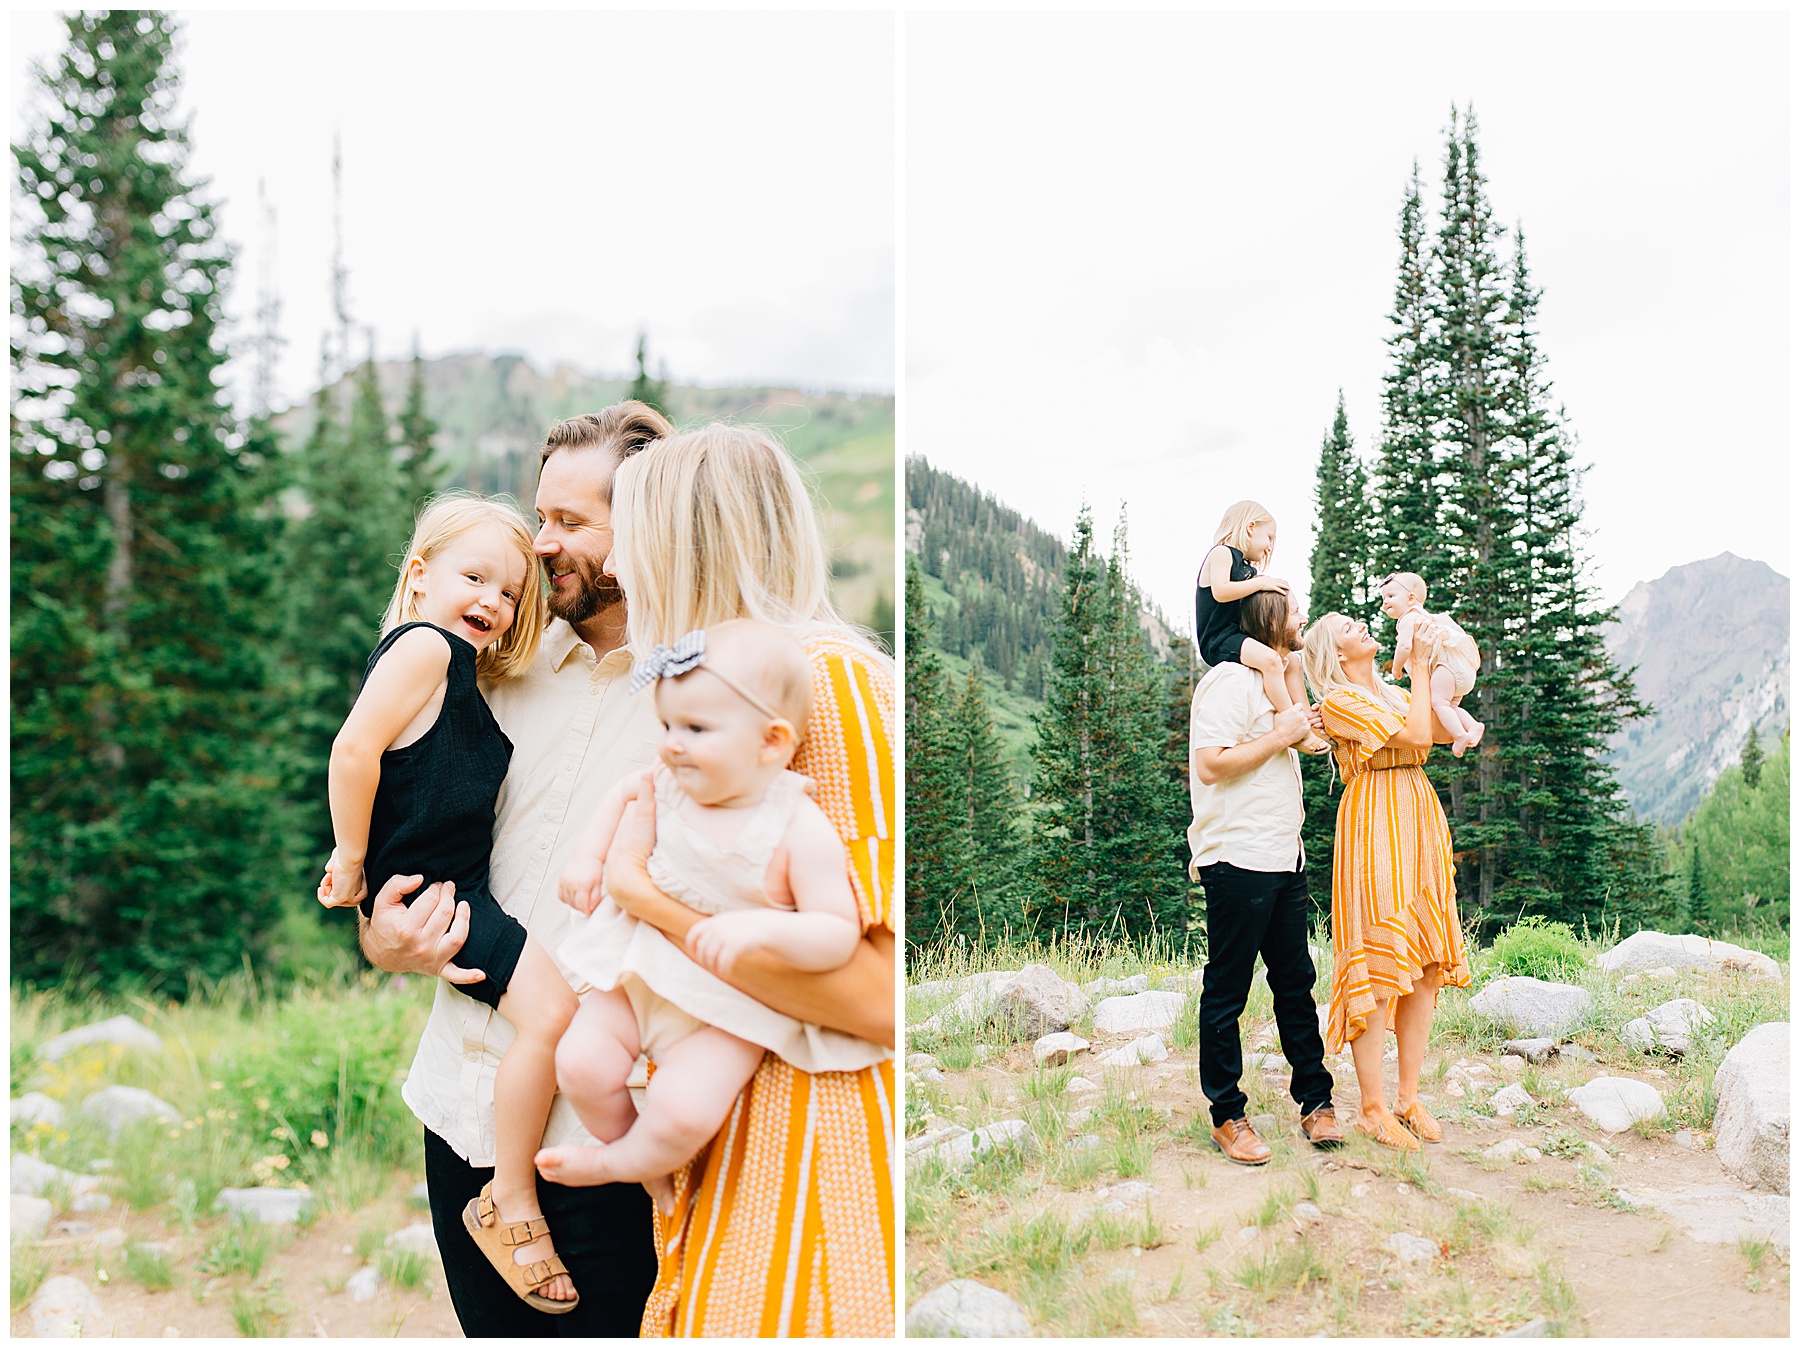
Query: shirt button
point(568, 767)
point(543, 847)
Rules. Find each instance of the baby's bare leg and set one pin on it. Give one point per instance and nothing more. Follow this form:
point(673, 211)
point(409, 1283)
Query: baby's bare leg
point(1465, 730)
point(539, 1005)
point(695, 1082)
point(594, 1061)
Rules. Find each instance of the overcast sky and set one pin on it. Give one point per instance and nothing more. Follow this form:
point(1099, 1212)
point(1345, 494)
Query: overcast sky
point(548, 182)
point(1145, 252)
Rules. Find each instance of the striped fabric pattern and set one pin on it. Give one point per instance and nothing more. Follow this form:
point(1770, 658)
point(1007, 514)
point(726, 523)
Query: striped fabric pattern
point(1393, 886)
point(784, 1226)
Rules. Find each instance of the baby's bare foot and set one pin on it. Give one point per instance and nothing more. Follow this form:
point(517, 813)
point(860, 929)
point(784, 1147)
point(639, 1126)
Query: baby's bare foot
point(1478, 731)
point(662, 1193)
point(576, 1165)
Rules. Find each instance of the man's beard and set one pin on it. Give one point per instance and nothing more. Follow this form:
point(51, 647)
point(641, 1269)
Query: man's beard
point(593, 591)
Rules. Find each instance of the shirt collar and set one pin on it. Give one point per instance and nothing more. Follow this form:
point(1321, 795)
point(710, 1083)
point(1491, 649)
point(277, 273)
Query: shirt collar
point(559, 643)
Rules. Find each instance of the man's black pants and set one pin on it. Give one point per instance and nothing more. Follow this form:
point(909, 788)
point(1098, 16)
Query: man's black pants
point(605, 1235)
point(1250, 913)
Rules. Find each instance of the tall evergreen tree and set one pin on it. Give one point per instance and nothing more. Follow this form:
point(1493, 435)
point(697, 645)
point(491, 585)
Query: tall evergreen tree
point(935, 858)
point(141, 541)
point(654, 392)
point(1752, 759)
point(1341, 545)
point(987, 906)
point(417, 431)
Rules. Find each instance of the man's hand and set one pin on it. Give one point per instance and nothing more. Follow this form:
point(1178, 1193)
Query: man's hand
point(1292, 725)
point(717, 943)
point(579, 884)
point(343, 884)
point(423, 938)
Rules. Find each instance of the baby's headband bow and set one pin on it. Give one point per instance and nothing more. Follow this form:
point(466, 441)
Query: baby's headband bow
point(689, 653)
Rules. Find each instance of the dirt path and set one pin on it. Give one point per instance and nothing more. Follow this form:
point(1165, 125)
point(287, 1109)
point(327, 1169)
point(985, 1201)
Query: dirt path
point(300, 1290)
point(1553, 1238)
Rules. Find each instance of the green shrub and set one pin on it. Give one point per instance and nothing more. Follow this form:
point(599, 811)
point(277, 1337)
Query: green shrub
point(1539, 949)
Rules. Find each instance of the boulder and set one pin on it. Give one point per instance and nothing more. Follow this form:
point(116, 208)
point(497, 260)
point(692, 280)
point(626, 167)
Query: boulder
point(965, 1309)
point(1037, 1003)
point(929, 1074)
point(1615, 1103)
point(1513, 1150)
point(1531, 1006)
point(1122, 1197)
point(35, 1108)
point(363, 1284)
point(32, 1176)
point(30, 1217)
point(1575, 1053)
point(122, 1030)
point(1053, 1050)
point(1111, 987)
point(266, 1206)
point(1718, 1214)
point(1411, 1249)
point(1142, 1011)
point(1511, 1099)
point(1531, 1329)
point(943, 1132)
point(1670, 1027)
point(91, 1201)
point(1306, 1214)
point(1647, 951)
point(1750, 1123)
point(1532, 1050)
point(964, 1148)
point(1079, 1084)
point(976, 998)
point(919, 1062)
point(1145, 1049)
point(65, 1308)
point(415, 1238)
point(118, 1107)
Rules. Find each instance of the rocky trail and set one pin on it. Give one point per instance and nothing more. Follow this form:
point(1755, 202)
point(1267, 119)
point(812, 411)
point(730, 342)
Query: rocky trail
point(1064, 1182)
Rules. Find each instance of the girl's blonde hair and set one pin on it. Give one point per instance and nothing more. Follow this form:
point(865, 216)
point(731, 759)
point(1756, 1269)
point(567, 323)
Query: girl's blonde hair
point(716, 523)
point(446, 518)
point(1323, 669)
point(1234, 529)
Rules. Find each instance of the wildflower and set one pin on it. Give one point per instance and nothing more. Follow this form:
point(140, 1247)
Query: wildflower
point(215, 1086)
point(262, 1103)
point(279, 1162)
point(319, 1139)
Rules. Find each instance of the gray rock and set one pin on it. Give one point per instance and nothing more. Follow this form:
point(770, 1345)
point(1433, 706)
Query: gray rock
point(918, 1062)
point(1079, 1084)
point(73, 1228)
point(1112, 987)
point(114, 1237)
point(1720, 1215)
point(1685, 1140)
point(1513, 1150)
point(35, 1107)
point(1531, 1329)
point(116, 1107)
point(415, 1238)
point(1512, 1064)
point(980, 1053)
point(30, 1217)
point(1264, 1124)
point(122, 1030)
point(1647, 951)
point(1750, 1125)
point(65, 1308)
point(943, 1132)
point(1146, 1049)
point(1143, 1011)
point(1509, 1100)
point(1615, 1103)
point(1575, 1053)
point(1123, 1197)
point(1670, 1027)
point(1468, 1194)
point(1411, 1249)
point(1532, 1050)
point(965, 1309)
point(977, 996)
point(92, 1201)
point(1266, 1062)
point(1307, 1214)
point(1037, 1003)
point(32, 1176)
point(929, 1074)
point(1053, 1050)
point(1532, 1007)
point(963, 1149)
point(1087, 1142)
point(363, 1284)
point(269, 1206)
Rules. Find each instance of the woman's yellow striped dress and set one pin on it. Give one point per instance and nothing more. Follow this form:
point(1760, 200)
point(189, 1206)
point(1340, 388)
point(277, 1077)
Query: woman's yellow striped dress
point(784, 1225)
point(1393, 885)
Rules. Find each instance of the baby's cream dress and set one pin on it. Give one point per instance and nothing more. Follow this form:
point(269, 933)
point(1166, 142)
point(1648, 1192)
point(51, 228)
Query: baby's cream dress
point(672, 995)
point(1452, 648)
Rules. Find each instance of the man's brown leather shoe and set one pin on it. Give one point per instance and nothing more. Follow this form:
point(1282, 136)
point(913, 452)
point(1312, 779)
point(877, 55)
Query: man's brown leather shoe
point(1321, 1127)
point(1239, 1142)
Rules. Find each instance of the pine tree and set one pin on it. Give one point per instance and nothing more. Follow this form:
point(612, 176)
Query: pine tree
point(987, 906)
point(1341, 545)
point(144, 844)
point(935, 860)
point(1752, 759)
point(417, 430)
point(654, 392)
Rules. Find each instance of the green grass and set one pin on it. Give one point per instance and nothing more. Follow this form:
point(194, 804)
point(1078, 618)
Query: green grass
point(258, 1311)
point(30, 1266)
point(407, 1270)
point(242, 1247)
point(149, 1268)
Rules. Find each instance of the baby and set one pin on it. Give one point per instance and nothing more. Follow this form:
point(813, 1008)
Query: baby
point(736, 835)
point(1454, 657)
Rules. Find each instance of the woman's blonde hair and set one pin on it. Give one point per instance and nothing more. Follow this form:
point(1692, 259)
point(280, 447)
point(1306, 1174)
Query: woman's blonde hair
point(716, 523)
point(446, 518)
point(1324, 670)
point(1234, 529)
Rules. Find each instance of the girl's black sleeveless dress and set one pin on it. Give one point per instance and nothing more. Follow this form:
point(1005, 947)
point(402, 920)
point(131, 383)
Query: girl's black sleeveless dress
point(434, 815)
point(1216, 629)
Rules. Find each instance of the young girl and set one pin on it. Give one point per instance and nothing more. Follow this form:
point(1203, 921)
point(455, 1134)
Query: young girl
point(1233, 567)
point(414, 775)
point(739, 837)
point(1455, 658)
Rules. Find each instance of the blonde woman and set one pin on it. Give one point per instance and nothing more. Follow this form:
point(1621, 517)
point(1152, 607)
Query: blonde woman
point(784, 1225)
point(1395, 937)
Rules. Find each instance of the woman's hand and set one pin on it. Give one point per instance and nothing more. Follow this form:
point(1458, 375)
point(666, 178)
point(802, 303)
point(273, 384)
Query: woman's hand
point(343, 883)
point(1423, 634)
